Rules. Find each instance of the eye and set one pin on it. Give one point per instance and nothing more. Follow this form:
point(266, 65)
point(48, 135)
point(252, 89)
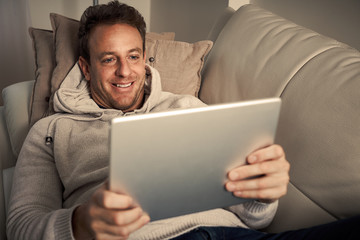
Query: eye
point(134, 57)
point(108, 60)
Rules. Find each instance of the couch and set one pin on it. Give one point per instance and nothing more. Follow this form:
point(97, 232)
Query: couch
point(257, 54)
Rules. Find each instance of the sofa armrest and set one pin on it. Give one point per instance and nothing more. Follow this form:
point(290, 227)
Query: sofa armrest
point(16, 105)
point(7, 183)
point(7, 160)
point(14, 126)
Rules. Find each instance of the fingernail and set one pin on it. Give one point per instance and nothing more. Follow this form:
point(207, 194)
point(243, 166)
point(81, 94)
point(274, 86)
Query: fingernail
point(146, 219)
point(230, 187)
point(233, 176)
point(238, 194)
point(252, 159)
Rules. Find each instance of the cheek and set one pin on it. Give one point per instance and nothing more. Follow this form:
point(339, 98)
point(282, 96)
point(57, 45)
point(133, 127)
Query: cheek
point(97, 82)
point(140, 70)
point(101, 76)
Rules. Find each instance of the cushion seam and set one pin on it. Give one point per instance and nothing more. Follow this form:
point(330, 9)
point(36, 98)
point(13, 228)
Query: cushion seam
point(305, 62)
point(313, 201)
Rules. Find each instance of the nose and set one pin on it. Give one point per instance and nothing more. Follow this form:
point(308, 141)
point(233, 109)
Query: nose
point(123, 69)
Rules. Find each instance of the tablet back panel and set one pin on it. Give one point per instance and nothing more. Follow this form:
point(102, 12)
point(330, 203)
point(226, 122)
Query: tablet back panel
point(175, 163)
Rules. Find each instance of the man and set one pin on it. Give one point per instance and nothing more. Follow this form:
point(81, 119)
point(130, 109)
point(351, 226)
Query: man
point(114, 65)
point(60, 189)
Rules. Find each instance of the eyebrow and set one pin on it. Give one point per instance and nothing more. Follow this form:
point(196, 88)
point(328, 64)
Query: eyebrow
point(136, 50)
point(139, 50)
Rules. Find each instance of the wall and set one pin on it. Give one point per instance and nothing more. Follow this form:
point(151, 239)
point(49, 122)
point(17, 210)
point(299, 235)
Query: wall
point(16, 55)
point(190, 20)
point(235, 4)
point(339, 19)
point(40, 9)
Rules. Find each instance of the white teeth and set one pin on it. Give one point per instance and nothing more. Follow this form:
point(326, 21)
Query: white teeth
point(123, 85)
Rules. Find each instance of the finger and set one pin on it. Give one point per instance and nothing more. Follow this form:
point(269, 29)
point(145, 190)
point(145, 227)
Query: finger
point(272, 152)
point(264, 182)
point(111, 200)
point(258, 169)
point(119, 218)
point(268, 193)
point(105, 231)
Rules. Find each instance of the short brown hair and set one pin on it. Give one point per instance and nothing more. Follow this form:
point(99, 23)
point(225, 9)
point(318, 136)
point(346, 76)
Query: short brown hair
point(111, 13)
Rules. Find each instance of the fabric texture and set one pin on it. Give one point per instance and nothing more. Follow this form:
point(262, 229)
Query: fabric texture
point(43, 46)
point(66, 48)
point(175, 60)
point(75, 164)
point(164, 35)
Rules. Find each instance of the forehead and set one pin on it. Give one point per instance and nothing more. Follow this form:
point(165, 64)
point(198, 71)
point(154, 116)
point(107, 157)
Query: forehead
point(114, 36)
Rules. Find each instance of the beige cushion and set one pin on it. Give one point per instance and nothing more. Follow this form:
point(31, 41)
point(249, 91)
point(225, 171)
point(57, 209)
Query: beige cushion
point(179, 64)
point(66, 49)
point(44, 62)
point(161, 36)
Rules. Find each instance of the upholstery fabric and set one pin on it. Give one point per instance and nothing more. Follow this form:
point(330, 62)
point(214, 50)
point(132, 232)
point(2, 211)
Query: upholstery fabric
point(179, 64)
point(164, 36)
point(44, 65)
point(259, 55)
point(66, 49)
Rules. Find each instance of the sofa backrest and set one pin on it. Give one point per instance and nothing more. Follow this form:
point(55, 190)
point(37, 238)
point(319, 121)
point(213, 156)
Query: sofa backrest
point(258, 55)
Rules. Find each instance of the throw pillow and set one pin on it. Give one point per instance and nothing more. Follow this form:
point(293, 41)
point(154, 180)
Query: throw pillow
point(179, 64)
point(66, 45)
point(160, 36)
point(44, 65)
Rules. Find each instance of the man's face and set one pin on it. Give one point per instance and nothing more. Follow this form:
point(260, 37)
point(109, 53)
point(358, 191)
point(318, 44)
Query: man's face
point(117, 67)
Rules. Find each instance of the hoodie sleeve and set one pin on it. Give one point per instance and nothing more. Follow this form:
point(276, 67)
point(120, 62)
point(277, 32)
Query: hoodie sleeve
point(35, 210)
point(254, 214)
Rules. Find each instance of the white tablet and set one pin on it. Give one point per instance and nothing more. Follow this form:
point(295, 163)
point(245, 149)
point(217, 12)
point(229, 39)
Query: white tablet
point(175, 163)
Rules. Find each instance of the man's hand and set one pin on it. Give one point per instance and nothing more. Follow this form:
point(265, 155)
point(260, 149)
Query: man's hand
point(108, 215)
point(270, 164)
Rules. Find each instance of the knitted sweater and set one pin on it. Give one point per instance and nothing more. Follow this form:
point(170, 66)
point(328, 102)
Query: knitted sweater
point(65, 157)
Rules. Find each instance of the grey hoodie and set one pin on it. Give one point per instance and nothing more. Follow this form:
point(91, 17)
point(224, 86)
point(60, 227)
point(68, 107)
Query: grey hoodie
point(64, 159)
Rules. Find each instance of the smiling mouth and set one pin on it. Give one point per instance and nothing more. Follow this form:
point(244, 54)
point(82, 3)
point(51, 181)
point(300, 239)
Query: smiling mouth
point(123, 85)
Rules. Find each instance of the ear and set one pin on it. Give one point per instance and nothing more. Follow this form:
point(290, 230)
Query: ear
point(84, 66)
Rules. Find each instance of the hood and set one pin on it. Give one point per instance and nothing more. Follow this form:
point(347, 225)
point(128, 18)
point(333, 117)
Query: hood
point(74, 96)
